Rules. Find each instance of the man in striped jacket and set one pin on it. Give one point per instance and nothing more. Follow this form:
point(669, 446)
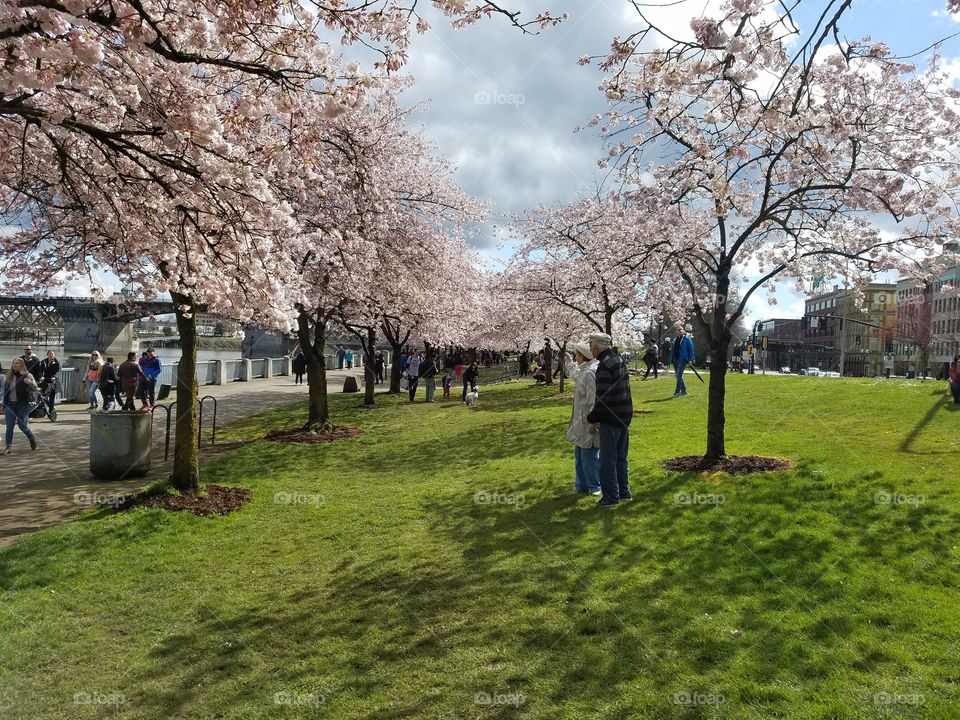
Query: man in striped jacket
point(611, 416)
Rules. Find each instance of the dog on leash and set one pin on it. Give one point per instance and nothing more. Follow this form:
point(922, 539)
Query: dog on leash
point(472, 396)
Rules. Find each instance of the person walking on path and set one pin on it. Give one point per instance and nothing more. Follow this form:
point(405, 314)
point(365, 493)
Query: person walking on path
point(582, 369)
point(107, 382)
point(652, 359)
point(348, 356)
point(49, 376)
point(428, 371)
point(32, 362)
point(954, 374)
point(610, 418)
point(92, 378)
point(681, 353)
point(299, 368)
point(129, 375)
point(470, 377)
point(15, 390)
point(341, 353)
point(151, 367)
point(413, 374)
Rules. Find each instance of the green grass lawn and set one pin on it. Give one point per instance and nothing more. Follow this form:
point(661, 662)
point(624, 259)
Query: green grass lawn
point(439, 566)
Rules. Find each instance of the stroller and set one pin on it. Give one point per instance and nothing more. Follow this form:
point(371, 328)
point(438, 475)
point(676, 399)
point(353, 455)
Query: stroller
point(40, 407)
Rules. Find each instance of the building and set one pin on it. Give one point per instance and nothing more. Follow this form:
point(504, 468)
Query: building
point(928, 324)
point(784, 344)
point(850, 332)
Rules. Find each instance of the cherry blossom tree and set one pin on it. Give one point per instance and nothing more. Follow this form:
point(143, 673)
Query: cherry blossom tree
point(780, 154)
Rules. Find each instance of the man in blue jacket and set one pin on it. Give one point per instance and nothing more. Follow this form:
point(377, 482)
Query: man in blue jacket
point(610, 417)
point(681, 353)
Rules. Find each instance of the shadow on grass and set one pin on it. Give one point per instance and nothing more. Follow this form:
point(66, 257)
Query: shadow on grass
point(922, 423)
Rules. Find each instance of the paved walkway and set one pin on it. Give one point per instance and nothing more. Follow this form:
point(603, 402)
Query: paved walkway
point(53, 483)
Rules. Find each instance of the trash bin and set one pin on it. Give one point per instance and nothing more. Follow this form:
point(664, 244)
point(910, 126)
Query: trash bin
point(120, 444)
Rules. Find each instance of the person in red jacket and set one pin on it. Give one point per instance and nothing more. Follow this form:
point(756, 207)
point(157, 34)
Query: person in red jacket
point(955, 380)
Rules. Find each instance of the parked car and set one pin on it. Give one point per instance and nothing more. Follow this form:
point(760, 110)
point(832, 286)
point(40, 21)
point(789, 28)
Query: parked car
point(830, 373)
point(815, 372)
point(784, 371)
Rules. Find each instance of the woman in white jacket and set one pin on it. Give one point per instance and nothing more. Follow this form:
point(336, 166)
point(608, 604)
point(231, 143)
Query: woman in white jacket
point(586, 444)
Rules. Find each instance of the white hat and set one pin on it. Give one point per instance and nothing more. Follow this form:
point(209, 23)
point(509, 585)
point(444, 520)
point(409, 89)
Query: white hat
point(601, 339)
point(584, 349)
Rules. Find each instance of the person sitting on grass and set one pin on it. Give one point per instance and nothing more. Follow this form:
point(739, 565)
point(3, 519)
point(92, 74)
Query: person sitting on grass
point(540, 376)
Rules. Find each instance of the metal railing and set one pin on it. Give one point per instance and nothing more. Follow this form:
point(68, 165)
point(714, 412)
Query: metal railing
point(279, 366)
point(68, 384)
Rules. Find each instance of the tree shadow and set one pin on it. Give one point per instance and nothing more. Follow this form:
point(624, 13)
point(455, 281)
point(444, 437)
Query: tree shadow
point(922, 423)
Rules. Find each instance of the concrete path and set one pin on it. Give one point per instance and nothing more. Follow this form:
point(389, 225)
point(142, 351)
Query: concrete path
point(47, 486)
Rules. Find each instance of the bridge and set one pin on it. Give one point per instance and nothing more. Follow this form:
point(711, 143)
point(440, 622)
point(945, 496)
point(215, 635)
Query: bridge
point(85, 324)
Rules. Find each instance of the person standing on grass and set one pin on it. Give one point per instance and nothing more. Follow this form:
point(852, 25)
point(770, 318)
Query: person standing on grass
point(428, 371)
point(651, 359)
point(582, 369)
point(447, 382)
point(380, 367)
point(470, 377)
point(15, 391)
point(299, 368)
point(129, 375)
point(610, 418)
point(681, 354)
point(954, 374)
point(413, 373)
point(92, 378)
point(49, 377)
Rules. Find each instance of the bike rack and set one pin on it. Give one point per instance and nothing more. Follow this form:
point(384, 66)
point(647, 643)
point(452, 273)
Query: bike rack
point(169, 411)
point(213, 432)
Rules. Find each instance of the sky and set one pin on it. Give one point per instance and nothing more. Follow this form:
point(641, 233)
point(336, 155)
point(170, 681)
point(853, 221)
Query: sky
point(504, 106)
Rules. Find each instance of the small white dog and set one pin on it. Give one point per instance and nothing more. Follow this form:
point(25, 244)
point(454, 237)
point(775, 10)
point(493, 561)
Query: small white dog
point(471, 398)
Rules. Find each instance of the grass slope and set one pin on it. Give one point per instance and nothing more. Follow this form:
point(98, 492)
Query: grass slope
point(439, 566)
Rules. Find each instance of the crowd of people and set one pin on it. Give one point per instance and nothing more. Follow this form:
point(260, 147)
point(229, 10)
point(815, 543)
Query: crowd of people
point(416, 366)
point(31, 379)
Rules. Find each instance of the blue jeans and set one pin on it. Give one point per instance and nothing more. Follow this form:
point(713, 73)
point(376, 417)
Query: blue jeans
point(431, 385)
point(92, 392)
point(587, 463)
point(681, 388)
point(614, 444)
point(16, 415)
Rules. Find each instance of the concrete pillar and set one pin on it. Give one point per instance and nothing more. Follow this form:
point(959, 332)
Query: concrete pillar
point(288, 366)
point(268, 368)
point(247, 371)
point(120, 444)
point(221, 372)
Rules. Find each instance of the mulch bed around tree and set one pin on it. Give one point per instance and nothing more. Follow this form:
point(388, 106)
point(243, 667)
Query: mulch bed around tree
point(212, 500)
point(299, 435)
point(731, 464)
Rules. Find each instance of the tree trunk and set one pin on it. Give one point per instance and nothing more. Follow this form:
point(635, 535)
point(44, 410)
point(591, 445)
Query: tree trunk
point(318, 415)
point(548, 361)
point(186, 460)
point(369, 369)
point(563, 368)
point(396, 350)
point(719, 348)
